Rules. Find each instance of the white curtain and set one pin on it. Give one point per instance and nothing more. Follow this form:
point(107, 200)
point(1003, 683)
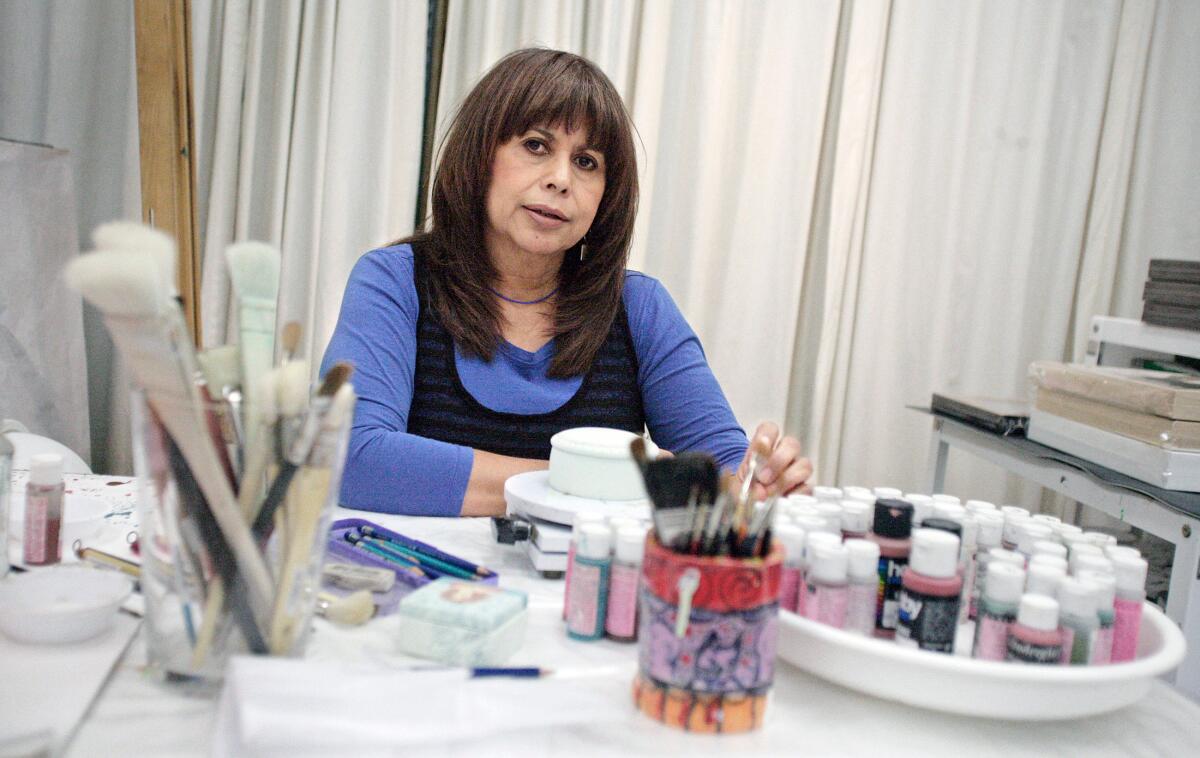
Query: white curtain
point(308, 120)
point(859, 202)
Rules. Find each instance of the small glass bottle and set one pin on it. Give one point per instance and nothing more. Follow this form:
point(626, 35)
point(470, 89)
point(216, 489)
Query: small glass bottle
point(6, 458)
point(620, 621)
point(997, 610)
point(863, 575)
point(1079, 620)
point(43, 510)
point(1035, 638)
point(1131, 594)
point(1105, 586)
point(587, 597)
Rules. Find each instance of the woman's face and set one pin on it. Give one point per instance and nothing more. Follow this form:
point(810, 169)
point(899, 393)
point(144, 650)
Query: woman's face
point(545, 189)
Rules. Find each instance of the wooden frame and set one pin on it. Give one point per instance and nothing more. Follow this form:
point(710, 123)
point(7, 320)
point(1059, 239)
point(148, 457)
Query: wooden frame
point(164, 81)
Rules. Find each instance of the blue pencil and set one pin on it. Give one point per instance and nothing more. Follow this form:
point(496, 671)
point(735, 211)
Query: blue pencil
point(517, 672)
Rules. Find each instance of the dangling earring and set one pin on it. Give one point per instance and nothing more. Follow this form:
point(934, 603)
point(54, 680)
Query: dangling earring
point(583, 249)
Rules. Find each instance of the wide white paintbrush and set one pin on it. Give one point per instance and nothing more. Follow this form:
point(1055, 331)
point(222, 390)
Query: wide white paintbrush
point(127, 285)
point(254, 271)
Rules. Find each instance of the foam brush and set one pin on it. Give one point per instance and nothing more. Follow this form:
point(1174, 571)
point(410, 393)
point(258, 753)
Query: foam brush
point(147, 326)
point(254, 272)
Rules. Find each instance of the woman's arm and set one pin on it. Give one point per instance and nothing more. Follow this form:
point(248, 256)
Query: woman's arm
point(387, 469)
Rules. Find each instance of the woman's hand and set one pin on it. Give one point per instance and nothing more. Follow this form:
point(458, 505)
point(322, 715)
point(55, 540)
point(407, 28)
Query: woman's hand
point(781, 470)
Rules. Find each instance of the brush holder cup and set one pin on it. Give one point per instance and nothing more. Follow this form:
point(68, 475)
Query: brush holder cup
point(195, 619)
point(707, 632)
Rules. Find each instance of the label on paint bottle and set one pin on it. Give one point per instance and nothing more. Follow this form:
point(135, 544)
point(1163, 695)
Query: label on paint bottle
point(789, 588)
point(991, 636)
point(622, 602)
point(584, 613)
point(1102, 645)
point(927, 622)
point(860, 608)
point(1125, 629)
point(830, 604)
point(1030, 652)
point(891, 572)
point(1068, 644)
point(1081, 648)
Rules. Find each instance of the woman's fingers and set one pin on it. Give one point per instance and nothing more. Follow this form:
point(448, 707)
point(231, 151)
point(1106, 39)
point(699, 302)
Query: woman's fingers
point(762, 442)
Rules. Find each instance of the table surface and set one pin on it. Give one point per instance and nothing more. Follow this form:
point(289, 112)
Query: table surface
point(136, 714)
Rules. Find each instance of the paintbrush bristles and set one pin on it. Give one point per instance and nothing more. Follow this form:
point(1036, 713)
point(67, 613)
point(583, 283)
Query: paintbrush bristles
point(254, 270)
point(293, 388)
point(132, 237)
point(220, 367)
point(118, 283)
point(335, 377)
point(290, 339)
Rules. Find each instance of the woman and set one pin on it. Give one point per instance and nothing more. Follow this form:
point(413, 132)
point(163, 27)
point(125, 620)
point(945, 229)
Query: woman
point(513, 317)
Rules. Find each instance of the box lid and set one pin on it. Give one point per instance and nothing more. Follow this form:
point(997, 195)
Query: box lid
point(471, 605)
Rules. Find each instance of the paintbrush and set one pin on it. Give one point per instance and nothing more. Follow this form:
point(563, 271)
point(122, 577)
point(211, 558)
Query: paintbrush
point(148, 329)
point(254, 273)
point(289, 340)
point(676, 487)
point(223, 376)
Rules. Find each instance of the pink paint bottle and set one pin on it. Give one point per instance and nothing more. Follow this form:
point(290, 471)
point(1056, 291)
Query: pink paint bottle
point(891, 531)
point(792, 539)
point(1105, 586)
point(587, 598)
point(1035, 637)
point(811, 540)
point(1131, 594)
point(997, 610)
point(856, 520)
point(991, 525)
point(577, 524)
point(826, 585)
point(863, 575)
point(620, 621)
point(43, 510)
point(929, 593)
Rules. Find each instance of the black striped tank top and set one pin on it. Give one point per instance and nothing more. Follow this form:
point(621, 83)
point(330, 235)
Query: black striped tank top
point(443, 409)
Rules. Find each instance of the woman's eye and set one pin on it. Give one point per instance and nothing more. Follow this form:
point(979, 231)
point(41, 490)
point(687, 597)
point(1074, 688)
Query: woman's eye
point(535, 146)
point(587, 162)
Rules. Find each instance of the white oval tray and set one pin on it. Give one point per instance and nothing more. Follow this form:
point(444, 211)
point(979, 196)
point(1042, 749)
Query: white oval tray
point(531, 494)
point(957, 684)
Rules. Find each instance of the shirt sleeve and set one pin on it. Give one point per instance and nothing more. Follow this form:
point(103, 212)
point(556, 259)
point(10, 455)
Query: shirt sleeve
point(387, 469)
point(685, 407)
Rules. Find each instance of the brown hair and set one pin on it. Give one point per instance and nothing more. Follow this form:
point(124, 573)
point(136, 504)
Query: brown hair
point(528, 88)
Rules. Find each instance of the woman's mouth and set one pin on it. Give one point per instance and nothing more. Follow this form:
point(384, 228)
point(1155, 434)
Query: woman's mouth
point(545, 214)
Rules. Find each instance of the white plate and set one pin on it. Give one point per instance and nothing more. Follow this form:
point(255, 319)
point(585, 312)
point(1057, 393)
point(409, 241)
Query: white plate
point(61, 604)
point(956, 684)
point(530, 494)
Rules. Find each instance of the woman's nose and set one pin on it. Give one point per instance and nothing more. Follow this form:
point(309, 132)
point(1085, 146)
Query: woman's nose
point(558, 175)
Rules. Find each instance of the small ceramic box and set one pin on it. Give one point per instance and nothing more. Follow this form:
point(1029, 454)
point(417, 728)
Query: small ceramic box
point(462, 623)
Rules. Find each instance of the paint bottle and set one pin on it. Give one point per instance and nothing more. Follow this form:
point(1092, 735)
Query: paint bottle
point(43, 510)
point(863, 575)
point(1043, 579)
point(1031, 532)
point(1046, 519)
point(576, 525)
point(1049, 547)
point(587, 596)
point(856, 520)
point(886, 493)
point(891, 530)
point(929, 592)
point(1100, 539)
point(1014, 511)
point(976, 507)
point(800, 500)
point(817, 523)
point(826, 585)
point(1078, 620)
point(1063, 531)
point(6, 459)
point(1111, 551)
point(1013, 524)
point(1131, 594)
point(828, 494)
point(811, 540)
point(952, 511)
point(792, 539)
point(1002, 592)
point(1105, 586)
point(942, 497)
point(1042, 559)
point(970, 532)
point(1034, 638)
point(858, 493)
point(991, 526)
point(922, 508)
point(620, 619)
point(832, 513)
point(945, 525)
point(1091, 562)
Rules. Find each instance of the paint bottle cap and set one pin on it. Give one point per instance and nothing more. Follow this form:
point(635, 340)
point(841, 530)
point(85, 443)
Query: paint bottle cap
point(831, 494)
point(1100, 539)
point(952, 511)
point(831, 512)
point(830, 563)
point(1130, 571)
point(1077, 598)
point(856, 516)
point(1063, 530)
point(1080, 546)
point(1014, 510)
point(1047, 547)
point(631, 544)
point(893, 519)
point(1046, 518)
point(858, 493)
point(813, 524)
point(594, 541)
point(792, 539)
point(586, 517)
point(1013, 523)
point(1091, 562)
point(864, 560)
point(1005, 583)
point(944, 525)
point(1043, 579)
point(815, 539)
point(1111, 551)
point(801, 499)
point(942, 497)
point(970, 533)
point(1045, 559)
point(991, 529)
point(934, 553)
point(922, 508)
point(886, 493)
point(1038, 612)
point(1007, 556)
point(1105, 586)
point(45, 470)
point(1031, 532)
point(980, 506)
point(617, 523)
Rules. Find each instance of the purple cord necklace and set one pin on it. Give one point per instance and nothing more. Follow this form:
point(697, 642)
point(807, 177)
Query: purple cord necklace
point(543, 299)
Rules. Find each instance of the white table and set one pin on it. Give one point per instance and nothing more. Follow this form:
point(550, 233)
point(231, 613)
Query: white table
point(136, 715)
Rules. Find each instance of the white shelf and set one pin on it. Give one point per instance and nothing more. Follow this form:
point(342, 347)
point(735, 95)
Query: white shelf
point(1129, 332)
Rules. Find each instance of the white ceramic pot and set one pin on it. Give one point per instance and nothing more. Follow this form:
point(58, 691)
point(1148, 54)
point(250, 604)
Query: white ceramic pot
point(595, 463)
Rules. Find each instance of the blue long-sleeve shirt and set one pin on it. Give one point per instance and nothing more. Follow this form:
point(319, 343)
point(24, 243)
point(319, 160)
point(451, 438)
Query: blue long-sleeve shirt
point(388, 469)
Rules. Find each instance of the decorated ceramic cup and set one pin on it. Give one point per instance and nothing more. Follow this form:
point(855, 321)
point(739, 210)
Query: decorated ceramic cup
point(707, 632)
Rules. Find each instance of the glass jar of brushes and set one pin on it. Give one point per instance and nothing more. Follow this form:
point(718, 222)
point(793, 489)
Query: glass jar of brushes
point(233, 524)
